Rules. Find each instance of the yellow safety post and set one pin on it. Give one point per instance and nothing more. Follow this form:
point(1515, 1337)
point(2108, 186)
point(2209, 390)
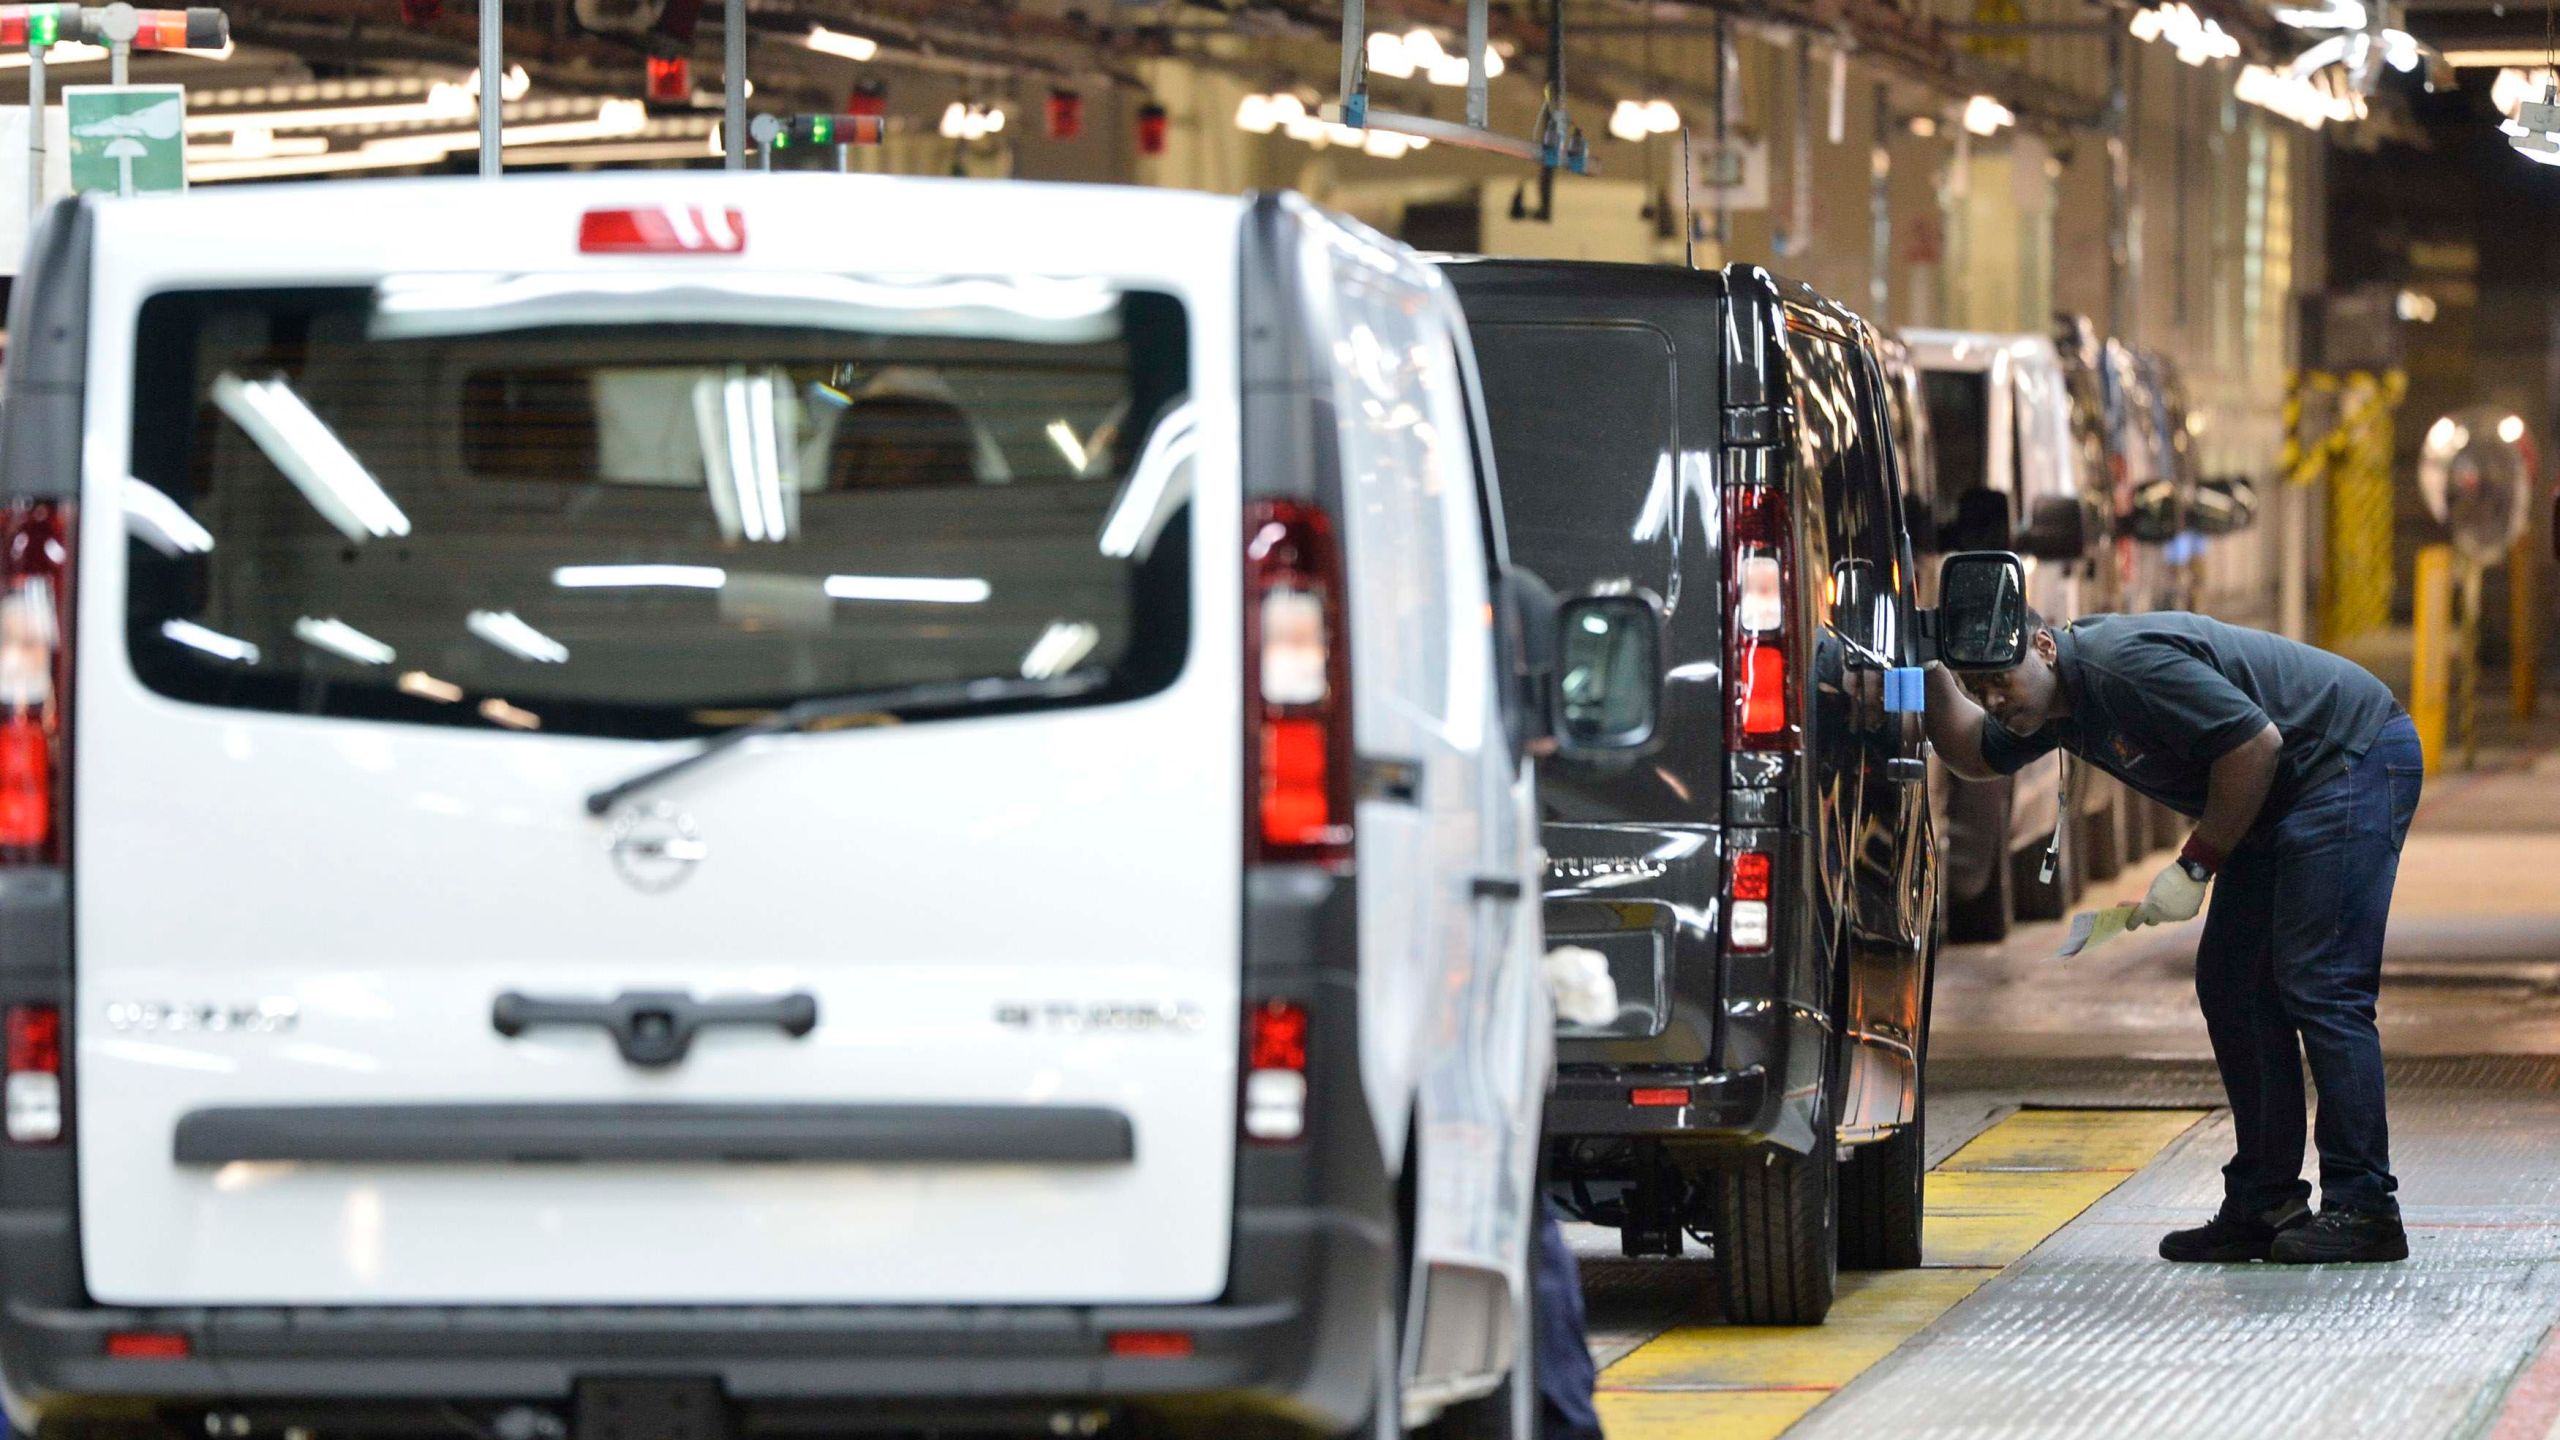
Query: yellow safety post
point(2431, 664)
point(2524, 630)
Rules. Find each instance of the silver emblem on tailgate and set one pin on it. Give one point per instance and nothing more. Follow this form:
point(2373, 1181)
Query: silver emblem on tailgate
point(655, 847)
point(272, 1016)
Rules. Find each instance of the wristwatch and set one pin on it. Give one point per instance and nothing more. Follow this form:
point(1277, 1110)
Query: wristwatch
point(2196, 870)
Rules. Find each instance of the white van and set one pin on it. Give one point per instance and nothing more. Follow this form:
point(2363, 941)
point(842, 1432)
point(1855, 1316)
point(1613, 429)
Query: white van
point(2011, 474)
point(729, 803)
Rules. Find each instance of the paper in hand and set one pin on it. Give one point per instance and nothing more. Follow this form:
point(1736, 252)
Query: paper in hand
point(2093, 928)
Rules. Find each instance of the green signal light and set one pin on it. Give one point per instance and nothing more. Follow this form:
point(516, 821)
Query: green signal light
point(44, 26)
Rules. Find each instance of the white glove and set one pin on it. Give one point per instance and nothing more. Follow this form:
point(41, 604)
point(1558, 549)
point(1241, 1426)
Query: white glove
point(2175, 896)
point(1578, 979)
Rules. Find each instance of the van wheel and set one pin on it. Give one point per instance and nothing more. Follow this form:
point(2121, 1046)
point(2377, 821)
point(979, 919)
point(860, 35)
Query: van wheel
point(1983, 918)
point(1880, 1201)
point(1776, 1221)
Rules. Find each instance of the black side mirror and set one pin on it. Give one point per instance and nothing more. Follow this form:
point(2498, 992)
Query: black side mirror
point(2225, 504)
point(2058, 529)
point(1982, 610)
point(1608, 692)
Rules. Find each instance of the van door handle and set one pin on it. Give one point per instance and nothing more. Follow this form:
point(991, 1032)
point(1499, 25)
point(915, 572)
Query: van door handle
point(654, 1028)
point(1498, 887)
point(1399, 782)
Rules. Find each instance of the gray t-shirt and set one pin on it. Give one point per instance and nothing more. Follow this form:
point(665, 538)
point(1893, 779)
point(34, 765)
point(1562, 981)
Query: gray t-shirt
point(2156, 699)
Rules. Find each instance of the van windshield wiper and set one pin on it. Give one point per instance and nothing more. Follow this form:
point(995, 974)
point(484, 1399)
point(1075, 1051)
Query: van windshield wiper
point(815, 713)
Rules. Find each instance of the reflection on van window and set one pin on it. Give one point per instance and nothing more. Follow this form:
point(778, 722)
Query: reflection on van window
point(648, 530)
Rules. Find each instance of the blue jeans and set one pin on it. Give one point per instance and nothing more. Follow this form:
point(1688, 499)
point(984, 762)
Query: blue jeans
point(1565, 1374)
point(2291, 964)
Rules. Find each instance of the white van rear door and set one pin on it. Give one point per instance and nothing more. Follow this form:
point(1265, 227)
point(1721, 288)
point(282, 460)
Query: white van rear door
point(372, 1010)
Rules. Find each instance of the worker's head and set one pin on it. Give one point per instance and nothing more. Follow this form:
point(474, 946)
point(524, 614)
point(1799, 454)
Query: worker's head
point(2021, 697)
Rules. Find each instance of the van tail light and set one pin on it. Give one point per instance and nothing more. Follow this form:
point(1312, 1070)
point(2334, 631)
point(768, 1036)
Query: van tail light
point(663, 230)
point(32, 1094)
point(35, 680)
point(148, 1345)
point(1747, 901)
point(1760, 567)
point(1297, 688)
point(1275, 1072)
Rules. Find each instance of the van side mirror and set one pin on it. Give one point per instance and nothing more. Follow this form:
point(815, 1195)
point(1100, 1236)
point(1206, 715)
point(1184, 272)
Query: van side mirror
point(2224, 504)
point(2058, 529)
point(1608, 693)
point(1981, 621)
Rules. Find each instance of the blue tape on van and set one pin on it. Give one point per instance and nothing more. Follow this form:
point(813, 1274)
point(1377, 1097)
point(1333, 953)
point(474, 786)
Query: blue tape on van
point(1906, 691)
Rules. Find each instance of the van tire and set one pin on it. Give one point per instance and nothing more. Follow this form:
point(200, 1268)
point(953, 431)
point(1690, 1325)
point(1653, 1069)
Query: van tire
point(1880, 1201)
point(1776, 1220)
point(1983, 918)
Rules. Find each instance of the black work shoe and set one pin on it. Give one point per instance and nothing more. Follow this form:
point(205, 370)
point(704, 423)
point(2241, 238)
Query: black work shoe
point(2342, 1237)
point(2232, 1236)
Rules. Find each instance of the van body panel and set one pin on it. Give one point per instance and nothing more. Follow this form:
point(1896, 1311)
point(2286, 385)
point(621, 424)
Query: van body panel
point(970, 941)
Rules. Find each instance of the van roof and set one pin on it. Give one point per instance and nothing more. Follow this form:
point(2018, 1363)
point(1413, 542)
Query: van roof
point(798, 221)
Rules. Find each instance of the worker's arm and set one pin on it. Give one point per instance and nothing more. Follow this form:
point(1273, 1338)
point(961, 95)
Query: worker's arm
point(2236, 789)
point(1955, 726)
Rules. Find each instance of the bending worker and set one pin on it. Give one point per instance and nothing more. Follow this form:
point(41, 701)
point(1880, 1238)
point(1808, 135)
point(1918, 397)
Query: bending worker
point(2301, 772)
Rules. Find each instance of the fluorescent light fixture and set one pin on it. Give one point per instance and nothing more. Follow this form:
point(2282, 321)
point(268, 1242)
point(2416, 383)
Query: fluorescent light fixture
point(162, 523)
point(509, 632)
point(613, 120)
point(910, 589)
point(2511, 429)
point(1063, 435)
point(514, 85)
point(211, 642)
point(1060, 649)
point(301, 445)
point(444, 102)
point(340, 638)
point(837, 42)
point(639, 577)
point(971, 121)
point(2489, 57)
point(428, 687)
point(1255, 115)
point(253, 143)
point(514, 717)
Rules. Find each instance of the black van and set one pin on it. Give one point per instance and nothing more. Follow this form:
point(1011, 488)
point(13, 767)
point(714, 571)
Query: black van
point(1763, 876)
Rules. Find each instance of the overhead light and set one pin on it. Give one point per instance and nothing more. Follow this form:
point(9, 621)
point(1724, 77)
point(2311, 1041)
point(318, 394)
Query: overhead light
point(1986, 116)
point(2302, 99)
point(971, 121)
point(911, 589)
point(2328, 15)
point(340, 638)
point(614, 119)
point(2414, 307)
point(838, 42)
point(2534, 130)
point(211, 642)
point(302, 446)
point(254, 143)
point(1060, 649)
point(2487, 57)
point(639, 577)
point(445, 101)
point(428, 687)
point(162, 523)
point(508, 631)
point(1924, 126)
point(1387, 56)
point(2511, 429)
point(2195, 39)
point(514, 717)
point(1419, 52)
point(1255, 116)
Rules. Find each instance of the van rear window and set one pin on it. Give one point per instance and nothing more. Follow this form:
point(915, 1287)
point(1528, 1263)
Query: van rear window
point(1584, 434)
point(500, 504)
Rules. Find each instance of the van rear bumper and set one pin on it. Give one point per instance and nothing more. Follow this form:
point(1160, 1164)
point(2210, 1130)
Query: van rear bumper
point(1594, 1100)
point(1292, 1341)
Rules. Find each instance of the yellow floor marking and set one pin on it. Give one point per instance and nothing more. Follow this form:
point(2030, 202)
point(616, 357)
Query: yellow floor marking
point(1994, 1219)
point(1986, 1207)
point(1739, 1415)
point(1875, 1312)
point(2072, 1140)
